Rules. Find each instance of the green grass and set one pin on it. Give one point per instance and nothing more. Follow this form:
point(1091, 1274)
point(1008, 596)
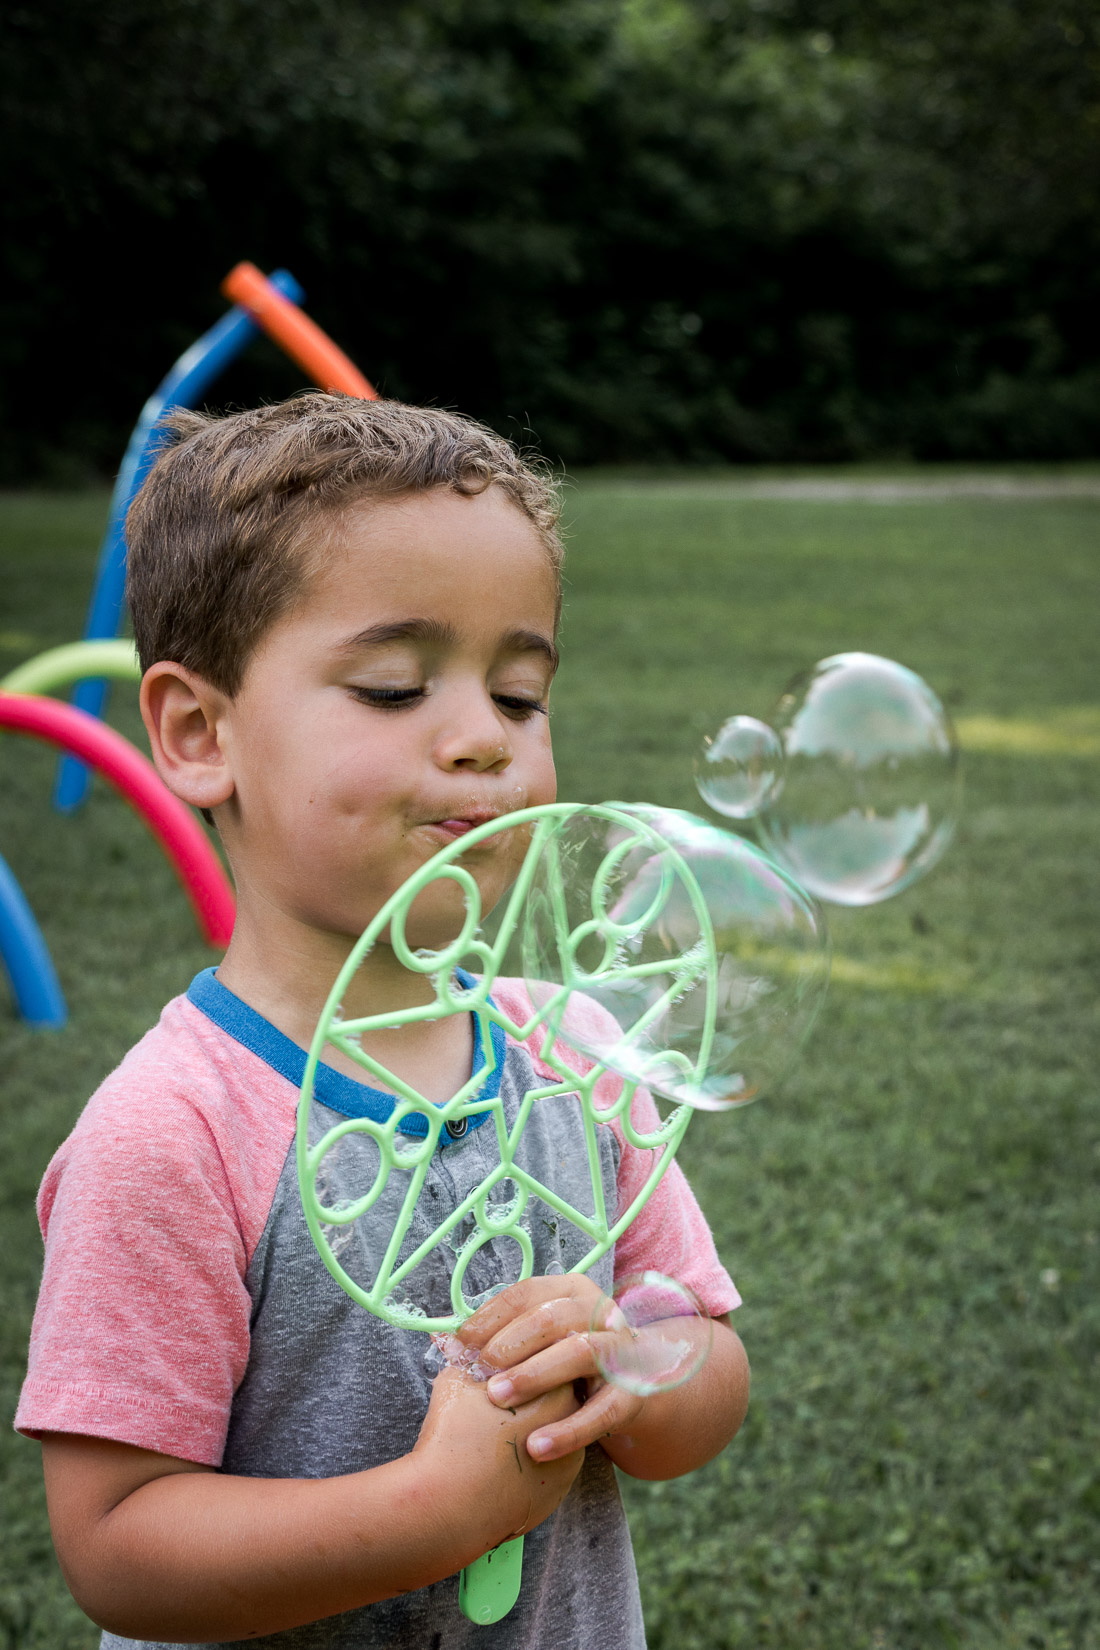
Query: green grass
point(911, 1218)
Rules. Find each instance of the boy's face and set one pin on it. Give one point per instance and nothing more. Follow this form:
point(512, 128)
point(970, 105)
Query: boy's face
point(401, 702)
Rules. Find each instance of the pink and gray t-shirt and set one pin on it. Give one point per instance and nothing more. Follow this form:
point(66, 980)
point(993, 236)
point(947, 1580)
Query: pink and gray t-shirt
point(184, 1307)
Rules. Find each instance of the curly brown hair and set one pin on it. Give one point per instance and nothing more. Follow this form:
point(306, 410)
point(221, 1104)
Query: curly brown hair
point(217, 535)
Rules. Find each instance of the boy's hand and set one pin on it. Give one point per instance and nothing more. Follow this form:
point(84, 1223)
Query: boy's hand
point(486, 1477)
point(540, 1333)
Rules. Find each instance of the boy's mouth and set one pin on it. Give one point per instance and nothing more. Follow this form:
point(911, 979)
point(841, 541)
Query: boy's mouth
point(467, 822)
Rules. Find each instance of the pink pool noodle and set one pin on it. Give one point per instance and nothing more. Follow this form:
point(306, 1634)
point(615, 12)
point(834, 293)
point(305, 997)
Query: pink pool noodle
point(137, 781)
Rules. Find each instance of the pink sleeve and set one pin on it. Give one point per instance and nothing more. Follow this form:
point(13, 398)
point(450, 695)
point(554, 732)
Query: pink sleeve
point(142, 1329)
point(670, 1233)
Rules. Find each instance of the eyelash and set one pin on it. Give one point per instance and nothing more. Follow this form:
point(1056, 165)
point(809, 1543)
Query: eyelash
point(520, 710)
point(393, 698)
point(513, 705)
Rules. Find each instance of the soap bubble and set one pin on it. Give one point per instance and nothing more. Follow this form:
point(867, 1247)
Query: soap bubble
point(674, 952)
point(434, 1360)
point(650, 1335)
point(740, 770)
point(446, 1351)
point(871, 786)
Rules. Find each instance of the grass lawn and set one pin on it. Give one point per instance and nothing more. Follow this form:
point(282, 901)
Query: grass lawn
point(912, 1218)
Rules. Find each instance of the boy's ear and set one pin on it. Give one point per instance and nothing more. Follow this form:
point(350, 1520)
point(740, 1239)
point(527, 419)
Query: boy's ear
point(183, 717)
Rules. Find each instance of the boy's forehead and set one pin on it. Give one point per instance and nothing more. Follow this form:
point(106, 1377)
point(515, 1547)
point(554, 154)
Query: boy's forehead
point(415, 553)
point(408, 519)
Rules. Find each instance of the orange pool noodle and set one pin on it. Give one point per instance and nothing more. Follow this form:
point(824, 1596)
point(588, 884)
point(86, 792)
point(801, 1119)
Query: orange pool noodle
point(294, 332)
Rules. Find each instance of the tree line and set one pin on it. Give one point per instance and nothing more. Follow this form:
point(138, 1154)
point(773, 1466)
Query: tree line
point(626, 230)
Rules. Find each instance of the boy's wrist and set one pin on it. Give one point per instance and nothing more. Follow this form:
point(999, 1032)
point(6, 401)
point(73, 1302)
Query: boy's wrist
point(454, 1528)
point(453, 1509)
point(435, 1515)
point(480, 1487)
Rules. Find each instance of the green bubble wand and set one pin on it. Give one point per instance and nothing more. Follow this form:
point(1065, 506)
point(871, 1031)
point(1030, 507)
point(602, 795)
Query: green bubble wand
point(600, 952)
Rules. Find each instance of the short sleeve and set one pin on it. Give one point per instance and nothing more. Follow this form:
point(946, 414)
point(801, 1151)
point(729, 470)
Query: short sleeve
point(670, 1233)
point(141, 1333)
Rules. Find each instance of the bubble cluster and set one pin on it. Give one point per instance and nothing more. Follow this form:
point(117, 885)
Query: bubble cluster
point(674, 952)
point(868, 781)
point(448, 1352)
point(650, 1335)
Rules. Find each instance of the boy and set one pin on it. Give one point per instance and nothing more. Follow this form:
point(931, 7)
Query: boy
point(346, 612)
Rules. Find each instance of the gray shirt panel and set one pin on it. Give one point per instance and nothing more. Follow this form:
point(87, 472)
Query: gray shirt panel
point(331, 1389)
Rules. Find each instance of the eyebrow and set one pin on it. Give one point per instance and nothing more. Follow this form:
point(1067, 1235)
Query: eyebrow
point(437, 633)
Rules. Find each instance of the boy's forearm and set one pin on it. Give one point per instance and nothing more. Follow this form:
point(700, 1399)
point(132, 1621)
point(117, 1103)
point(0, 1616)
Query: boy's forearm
point(154, 1547)
point(680, 1430)
point(200, 1557)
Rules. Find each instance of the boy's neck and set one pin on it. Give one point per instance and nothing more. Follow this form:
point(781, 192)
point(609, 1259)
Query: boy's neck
point(285, 971)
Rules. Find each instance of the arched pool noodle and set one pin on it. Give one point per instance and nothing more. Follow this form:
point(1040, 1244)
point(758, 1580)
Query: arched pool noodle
point(26, 958)
point(59, 666)
point(295, 334)
point(195, 370)
point(134, 777)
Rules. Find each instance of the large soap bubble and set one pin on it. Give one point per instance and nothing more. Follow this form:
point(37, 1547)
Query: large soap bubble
point(740, 769)
point(871, 779)
point(673, 951)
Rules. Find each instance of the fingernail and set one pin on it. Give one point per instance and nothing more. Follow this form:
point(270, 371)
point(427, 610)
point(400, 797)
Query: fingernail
point(539, 1445)
point(500, 1389)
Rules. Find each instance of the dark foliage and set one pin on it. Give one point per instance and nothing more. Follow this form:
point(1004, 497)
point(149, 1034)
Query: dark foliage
point(641, 228)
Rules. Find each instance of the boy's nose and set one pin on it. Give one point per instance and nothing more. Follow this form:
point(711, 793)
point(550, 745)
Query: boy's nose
point(476, 741)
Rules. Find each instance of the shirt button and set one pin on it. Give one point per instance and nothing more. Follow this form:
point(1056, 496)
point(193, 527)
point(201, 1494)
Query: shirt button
point(457, 1127)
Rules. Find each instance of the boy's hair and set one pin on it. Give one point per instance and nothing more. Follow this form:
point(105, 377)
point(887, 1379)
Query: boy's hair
point(218, 536)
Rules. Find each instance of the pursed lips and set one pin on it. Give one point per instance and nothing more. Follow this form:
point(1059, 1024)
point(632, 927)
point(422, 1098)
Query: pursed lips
point(461, 824)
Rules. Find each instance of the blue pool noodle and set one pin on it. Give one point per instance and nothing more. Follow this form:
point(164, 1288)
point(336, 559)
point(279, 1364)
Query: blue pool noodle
point(25, 955)
point(195, 370)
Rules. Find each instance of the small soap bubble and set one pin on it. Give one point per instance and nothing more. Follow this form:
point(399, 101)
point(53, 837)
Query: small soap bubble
point(504, 1202)
point(462, 1234)
point(740, 770)
point(399, 1307)
point(650, 1335)
point(448, 1352)
point(674, 952)
point(871, 782)
point(338, 1237)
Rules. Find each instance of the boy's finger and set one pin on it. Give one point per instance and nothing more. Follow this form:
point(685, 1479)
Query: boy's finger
point(480, 1328)
point(535, 1330)
point(568, 1359)
point(609, 1411)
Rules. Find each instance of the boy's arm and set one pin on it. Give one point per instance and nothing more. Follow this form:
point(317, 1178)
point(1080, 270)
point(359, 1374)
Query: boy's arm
point(536, 1333)
point(155, 1547)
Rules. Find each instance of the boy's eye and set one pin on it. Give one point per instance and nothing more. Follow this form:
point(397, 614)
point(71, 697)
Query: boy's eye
point(383, 697)
point(519, 707)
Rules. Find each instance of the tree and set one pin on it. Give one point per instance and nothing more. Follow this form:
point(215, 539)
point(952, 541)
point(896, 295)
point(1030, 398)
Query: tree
point(640, 228)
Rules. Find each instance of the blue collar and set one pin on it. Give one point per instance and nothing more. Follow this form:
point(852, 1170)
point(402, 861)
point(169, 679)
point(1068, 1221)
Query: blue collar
point(332, 1088)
